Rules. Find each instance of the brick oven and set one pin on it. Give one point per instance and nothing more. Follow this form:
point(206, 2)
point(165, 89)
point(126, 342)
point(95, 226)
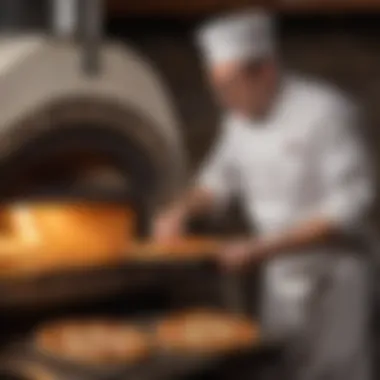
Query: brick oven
point(65, 135)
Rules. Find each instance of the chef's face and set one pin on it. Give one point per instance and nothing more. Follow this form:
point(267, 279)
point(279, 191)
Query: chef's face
point(245, 88)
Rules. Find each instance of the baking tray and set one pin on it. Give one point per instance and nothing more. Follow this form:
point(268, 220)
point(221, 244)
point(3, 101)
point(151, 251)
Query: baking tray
point(161, 364)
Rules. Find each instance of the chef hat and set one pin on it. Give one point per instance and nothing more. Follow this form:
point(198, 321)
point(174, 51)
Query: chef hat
point(238, 37)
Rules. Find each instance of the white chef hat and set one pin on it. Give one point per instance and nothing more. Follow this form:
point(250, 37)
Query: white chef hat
point(238, 37)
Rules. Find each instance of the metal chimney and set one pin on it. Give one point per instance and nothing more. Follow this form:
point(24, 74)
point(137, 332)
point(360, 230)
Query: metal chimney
point(64, 17)
point(91, 16)
point(82, 19)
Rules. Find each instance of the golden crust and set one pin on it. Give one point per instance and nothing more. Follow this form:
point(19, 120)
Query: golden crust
point(203, 331)
point(43, 236)
point(94, 342)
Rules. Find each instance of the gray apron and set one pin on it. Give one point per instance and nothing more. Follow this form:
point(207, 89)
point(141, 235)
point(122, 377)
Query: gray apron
point(318, 304)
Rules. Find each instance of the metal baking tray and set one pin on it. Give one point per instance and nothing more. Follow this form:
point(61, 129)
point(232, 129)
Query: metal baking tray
point(160, 365)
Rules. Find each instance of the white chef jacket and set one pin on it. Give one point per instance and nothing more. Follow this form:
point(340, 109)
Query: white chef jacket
point(306, 160)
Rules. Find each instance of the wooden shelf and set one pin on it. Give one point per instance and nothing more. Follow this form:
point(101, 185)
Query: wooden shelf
point(326, 6)
point(204, 7)
point(177, 7)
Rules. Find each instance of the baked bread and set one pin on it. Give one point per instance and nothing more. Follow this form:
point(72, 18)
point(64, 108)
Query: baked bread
point(52, 236)
point(186, 248)
point(204, 331)
point(94, 342)
point(72, 226)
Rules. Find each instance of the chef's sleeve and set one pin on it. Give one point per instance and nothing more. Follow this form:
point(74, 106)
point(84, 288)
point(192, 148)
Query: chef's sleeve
point(217, 173)
point(346, 172)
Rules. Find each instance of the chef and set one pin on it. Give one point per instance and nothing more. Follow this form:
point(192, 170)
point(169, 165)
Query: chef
point(289, 147)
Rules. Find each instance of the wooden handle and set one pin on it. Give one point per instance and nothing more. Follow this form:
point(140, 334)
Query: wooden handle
point(181, 249)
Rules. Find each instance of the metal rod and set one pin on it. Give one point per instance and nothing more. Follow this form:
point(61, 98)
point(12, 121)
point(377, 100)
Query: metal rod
point(91, 22)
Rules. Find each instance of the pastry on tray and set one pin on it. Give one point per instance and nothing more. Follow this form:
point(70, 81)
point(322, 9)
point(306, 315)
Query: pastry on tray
point(205, 331)
point(94, 342)
point(186, 248)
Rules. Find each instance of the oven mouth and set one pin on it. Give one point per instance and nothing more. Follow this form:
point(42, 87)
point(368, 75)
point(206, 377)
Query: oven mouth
point(83, 162)
point(136, 146)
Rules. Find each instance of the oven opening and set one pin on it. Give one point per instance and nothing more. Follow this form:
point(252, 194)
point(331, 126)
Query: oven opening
point(82, 163)
point(79, 161)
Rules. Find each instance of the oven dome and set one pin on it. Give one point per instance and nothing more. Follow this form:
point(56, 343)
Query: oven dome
point(46, 99)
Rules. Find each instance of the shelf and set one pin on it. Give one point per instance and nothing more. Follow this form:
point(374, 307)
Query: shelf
point(203, 7)
point(30, 276)
point(176, 8)
point(326, 6)
point(22, 260)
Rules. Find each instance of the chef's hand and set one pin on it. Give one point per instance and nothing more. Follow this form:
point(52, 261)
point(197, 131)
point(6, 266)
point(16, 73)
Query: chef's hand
point(237, 254)
point(169, 225)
